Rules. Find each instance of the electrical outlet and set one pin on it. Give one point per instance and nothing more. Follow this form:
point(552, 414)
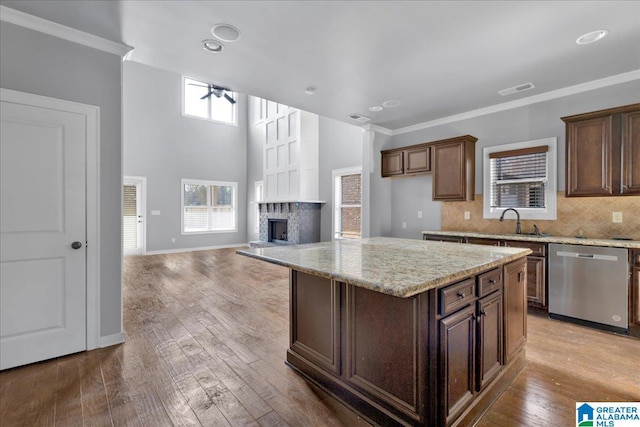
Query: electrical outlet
point(467, 215)
point(404, 225)
point(173, 240)
point(616, 216)
point(419, 214)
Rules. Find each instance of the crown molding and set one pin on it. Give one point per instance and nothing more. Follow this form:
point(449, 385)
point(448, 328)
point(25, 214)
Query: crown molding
point(547, 96)
point(378, 129)
point(51, 28)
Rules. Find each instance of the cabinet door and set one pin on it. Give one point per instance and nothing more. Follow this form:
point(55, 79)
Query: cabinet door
point(589, 157)
point(315, 320)
point(489, 339)
point(536, 283)
point(418, 160)
point(631, 153)
point(450, 172)
point(457, 348)
point(515, 307)
point(392, 163)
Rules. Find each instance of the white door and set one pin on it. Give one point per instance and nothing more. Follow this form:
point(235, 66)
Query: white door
point(132, 215)
point(43, 233)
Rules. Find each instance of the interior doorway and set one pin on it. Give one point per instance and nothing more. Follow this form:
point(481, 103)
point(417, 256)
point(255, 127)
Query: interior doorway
point(133, 220)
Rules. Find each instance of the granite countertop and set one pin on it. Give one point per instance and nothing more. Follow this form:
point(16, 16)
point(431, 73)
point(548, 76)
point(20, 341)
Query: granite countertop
point(398, 267)
point(630, 244)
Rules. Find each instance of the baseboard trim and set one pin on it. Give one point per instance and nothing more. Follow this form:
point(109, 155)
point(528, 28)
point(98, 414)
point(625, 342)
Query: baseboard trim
point(109, 340)
point(201, 248)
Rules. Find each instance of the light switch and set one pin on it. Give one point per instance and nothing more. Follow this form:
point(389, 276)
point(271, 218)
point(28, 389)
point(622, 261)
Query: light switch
point(616, 216)
point(419, 214)
point(155, 212)
point(404, 225)
point(467, 215)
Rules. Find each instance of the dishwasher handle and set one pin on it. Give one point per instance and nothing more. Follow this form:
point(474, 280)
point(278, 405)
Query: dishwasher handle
point(587, 256)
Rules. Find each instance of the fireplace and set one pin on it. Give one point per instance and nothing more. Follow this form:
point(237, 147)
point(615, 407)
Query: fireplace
point(299, 221)
point(277, 230)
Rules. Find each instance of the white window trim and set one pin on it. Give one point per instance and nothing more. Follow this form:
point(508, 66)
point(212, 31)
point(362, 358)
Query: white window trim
point(334, 174)
point(551, 192)
point(209, 183)
point(206, 119)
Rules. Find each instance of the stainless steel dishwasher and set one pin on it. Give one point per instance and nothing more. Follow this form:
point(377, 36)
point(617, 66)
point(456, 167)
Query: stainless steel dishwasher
point(589, 285)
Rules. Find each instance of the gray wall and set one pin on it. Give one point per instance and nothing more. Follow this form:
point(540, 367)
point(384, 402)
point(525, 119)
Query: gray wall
point(542, 120)
point(44, 65)
point(164, 146)
point(340, 147)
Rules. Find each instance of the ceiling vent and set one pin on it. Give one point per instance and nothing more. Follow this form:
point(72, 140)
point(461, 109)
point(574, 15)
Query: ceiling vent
point(359, 118)
point(516, 89)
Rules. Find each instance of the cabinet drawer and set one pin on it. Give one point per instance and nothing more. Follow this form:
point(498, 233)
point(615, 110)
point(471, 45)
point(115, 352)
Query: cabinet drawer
point(456, 296)
point(489, 282)
point(538, 249)
point(635, 257)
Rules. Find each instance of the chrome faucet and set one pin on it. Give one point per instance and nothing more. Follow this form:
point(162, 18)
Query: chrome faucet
point(518, 229)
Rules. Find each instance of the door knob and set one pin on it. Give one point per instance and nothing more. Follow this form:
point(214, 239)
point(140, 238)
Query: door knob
point(76, 245)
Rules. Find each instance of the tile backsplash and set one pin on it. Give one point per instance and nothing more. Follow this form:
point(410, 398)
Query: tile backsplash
point(577, 216)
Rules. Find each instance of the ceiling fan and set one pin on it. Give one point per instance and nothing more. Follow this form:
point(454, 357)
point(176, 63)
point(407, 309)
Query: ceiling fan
point(217, 91)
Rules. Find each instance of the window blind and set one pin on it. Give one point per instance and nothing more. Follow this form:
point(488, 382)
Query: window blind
point(519, 178)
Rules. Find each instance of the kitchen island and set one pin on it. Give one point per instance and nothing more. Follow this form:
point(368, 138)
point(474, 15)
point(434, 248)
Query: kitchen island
point(406, 332)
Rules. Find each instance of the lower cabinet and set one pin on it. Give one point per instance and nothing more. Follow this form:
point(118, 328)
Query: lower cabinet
point(536, 283)
point(471, 344)
point(457, 351)
point(515, 308)
point(489, 343)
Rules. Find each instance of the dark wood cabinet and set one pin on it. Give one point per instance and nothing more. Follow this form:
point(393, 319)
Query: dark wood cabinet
point(315, 321)
point(392, 163)
point(452, 162)
point(406, 161)
point(589, 157)
point(537, 285)
point(438, 238)
point(457, 350)
point(418, 160)
point(631, 153)
point(515, 308)
point(489, 341)
point(454, 169)
point(603, 152)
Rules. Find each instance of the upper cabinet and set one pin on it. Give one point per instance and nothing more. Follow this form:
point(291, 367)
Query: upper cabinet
point(406, 161)
point(454, 169)
point(452, 162)
point(603, 152)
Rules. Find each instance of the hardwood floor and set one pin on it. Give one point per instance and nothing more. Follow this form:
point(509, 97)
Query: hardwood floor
point(206, 334)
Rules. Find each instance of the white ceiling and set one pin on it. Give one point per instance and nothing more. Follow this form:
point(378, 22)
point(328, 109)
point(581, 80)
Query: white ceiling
point(438, 58)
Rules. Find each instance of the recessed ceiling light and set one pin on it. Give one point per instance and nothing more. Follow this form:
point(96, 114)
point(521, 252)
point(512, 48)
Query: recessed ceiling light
point(390, 104)
point(211, 45)
point(375, 108)
point(225, 32)
point(310, 90)
point(592, 37)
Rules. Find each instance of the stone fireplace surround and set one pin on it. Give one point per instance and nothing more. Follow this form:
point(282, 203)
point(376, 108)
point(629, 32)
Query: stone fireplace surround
point(303, 221)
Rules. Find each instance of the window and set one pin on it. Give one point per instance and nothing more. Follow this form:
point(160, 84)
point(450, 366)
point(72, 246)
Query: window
point(347, 190)
point(213, 107)
point(208, 206)
point(522, 176)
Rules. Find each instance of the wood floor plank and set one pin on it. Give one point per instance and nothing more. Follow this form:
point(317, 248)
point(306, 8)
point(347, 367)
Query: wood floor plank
point(206, 338)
